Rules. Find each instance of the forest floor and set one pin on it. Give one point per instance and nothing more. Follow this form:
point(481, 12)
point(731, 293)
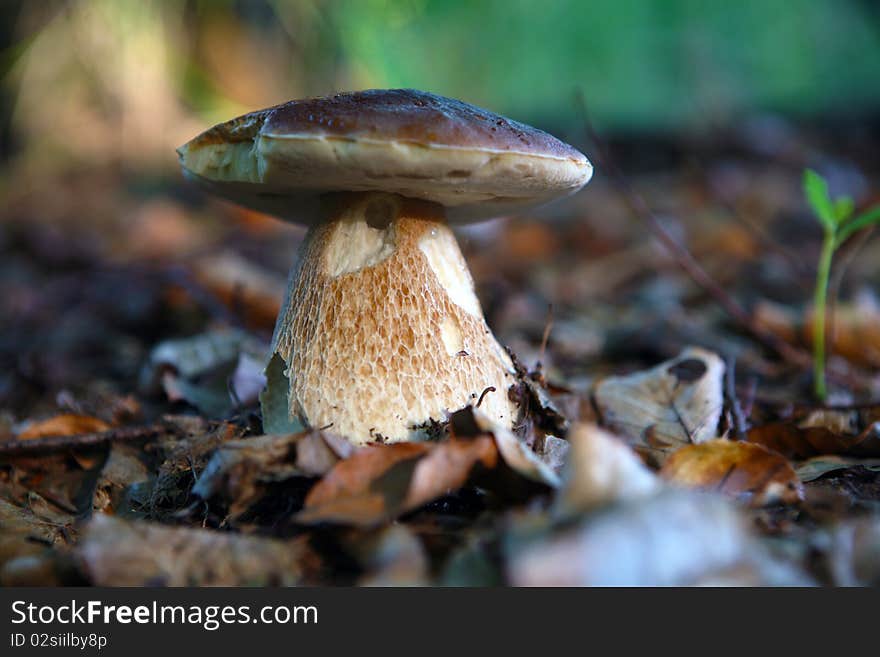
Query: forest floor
point(670, 433)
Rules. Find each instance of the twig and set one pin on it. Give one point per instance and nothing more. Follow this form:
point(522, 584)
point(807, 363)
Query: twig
point(797, 267)
point(739, 421)
point(546, 337)
point(77, 441)
point(484, 393)
point(684, 259)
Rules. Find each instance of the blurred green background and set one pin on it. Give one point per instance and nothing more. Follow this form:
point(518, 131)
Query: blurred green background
point(125, 81)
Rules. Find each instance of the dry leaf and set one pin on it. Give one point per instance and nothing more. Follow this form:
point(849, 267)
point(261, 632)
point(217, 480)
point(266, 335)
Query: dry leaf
point(24, 533)
point(674, 404)
point(380, 482)
point(515, 452)
point(738, 469)
point(602, 469)
point(214, 371)
point(67, 424)
point(820, 465)
point(797, 442)
point(240, 470)
point(116, 552)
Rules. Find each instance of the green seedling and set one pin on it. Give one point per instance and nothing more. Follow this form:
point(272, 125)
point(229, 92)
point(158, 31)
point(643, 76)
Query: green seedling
point(839, 222)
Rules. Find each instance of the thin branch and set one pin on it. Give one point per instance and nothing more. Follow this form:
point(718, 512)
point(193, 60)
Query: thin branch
point(78, 441)
point(545, 338)
point(684, 259)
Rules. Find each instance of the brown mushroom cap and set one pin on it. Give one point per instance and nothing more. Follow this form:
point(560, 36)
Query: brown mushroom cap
point(475, 163)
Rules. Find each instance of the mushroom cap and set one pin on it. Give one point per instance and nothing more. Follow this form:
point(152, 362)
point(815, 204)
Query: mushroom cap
point(477, 164)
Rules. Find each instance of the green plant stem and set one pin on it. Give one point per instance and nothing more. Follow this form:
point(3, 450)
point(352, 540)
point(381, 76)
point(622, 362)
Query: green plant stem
point(823, 273)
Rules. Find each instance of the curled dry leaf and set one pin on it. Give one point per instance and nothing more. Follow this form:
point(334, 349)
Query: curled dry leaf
point(66, 424)
point(515, 452)
point(676, 403)
point(214, 371)
point(739, 469)
point(380, 482)
point(602, 469)
point(116, 552)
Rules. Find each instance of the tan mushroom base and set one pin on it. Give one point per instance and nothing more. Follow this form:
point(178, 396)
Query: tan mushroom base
point(382, 333)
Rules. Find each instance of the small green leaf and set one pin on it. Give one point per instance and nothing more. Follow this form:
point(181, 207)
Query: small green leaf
point(868, 218)
point(843, 209)
point(816, 191)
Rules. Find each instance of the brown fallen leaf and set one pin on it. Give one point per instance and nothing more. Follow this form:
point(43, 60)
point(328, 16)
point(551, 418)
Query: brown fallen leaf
point(822, 433)
point(116, 552)
point(380, 482)
point(739, 469)
point(674, 404)
point(66, 424)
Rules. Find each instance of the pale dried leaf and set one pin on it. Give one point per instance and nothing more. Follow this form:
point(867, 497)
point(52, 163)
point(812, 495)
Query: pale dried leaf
point(516, 453)
point(676, 403)
point(602, 469)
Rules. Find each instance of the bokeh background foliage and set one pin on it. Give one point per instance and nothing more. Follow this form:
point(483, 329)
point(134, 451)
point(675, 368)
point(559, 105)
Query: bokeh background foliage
point(127, 80)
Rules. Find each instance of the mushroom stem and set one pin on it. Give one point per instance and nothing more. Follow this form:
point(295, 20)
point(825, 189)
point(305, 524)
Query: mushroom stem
point(381, 332)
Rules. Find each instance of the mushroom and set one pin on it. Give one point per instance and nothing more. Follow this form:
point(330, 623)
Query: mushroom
point(381, 333)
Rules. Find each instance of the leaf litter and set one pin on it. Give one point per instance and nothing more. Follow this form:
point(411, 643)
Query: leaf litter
point(663, 441)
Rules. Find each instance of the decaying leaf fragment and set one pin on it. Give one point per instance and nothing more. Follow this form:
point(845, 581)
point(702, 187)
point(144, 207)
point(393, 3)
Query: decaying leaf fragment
point(240, 470)
point(739, 469)
point(116, 552)
point(679, 402)
point(601, 470)
point(25, 532)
